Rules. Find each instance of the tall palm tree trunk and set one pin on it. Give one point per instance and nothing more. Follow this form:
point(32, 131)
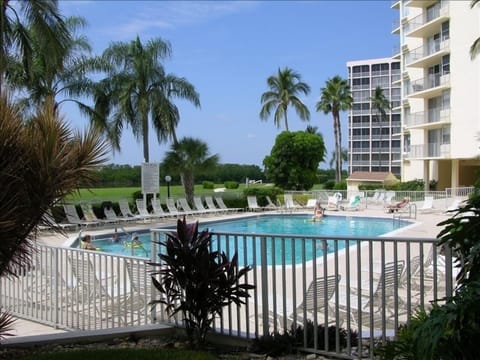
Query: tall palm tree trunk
point(286, 121)
point(188, 185)
point(145, 137)
point(338, 149)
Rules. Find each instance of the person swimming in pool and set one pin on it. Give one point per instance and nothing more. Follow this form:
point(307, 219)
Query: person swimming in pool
point(86, 243)
point(319, 211)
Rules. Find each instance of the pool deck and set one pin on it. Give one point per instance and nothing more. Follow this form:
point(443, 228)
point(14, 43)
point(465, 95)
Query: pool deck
point(425, 226)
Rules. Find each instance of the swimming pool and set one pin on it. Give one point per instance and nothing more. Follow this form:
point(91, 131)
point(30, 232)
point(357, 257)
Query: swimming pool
point(277, 226)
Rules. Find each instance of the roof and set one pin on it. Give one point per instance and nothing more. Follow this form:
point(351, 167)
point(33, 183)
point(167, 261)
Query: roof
point(370, 176)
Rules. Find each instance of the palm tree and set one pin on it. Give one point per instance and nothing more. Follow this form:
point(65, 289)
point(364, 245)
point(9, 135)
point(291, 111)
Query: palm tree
point(475, 48)
point(336, 97)
point(66, 76)
point(16, 17)
point(41, 161)
point(136, 89)
point(284, 90)
point(333, 159)
point(381, 104)
point(187, 157)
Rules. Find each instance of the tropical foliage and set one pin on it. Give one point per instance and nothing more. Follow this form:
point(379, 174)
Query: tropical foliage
point(293, 161)
point(19, 19)
point(475, 48)
point(187, 157)
point(41, 162)
point(283, 92)
point(197, 282)
point(336, 97)
point(64, 76)
point(137, 91)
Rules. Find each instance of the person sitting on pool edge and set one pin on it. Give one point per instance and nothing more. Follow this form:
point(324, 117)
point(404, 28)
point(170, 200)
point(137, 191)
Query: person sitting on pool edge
point(86, 243)
point(319, 211)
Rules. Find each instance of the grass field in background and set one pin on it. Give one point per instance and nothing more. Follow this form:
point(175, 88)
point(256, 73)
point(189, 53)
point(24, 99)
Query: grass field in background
point(114, 194)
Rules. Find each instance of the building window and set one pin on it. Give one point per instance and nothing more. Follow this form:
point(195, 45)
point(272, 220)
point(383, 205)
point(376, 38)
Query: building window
point(445, 31)
point(446, 64)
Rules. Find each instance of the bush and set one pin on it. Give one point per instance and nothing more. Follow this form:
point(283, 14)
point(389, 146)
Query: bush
point(197, 282)
point(231, 184)
point(366, 187)
point(277, 344)
point(208, 184)
point(342, 185)
point(329, 185)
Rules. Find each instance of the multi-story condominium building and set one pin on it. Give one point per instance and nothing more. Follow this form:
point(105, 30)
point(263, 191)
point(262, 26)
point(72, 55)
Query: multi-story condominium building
point(440, 85)
point(374, 144)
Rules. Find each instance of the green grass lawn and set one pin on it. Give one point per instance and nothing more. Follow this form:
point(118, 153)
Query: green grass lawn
point(114, 194)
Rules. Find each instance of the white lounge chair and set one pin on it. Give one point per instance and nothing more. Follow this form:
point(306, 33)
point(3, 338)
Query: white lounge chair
point(73, 217)
point(172, 209)
point(89, 215)
point(127, 212)
point(185, 207)
point(197, 200)
point(270, 204)
point(222, 205)
point(289, 203)
point(353, 204)
point(143, 211)
point(357, 305)
point(427, 205)
point(455, 205)
point(253, 205)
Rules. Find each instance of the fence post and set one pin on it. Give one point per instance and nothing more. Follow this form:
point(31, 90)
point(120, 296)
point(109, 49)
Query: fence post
point(264, 276)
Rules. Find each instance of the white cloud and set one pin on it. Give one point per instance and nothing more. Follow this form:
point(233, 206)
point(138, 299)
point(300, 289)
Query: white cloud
point(152, 15)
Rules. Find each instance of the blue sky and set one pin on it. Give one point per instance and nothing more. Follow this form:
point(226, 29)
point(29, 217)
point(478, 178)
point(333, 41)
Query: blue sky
point(227, 50)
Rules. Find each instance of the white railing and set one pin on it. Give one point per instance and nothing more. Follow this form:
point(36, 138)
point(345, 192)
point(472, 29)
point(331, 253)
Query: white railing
point(76, 289)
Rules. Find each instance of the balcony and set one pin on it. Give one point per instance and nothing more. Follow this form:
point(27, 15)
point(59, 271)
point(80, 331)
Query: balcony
point(429, 87)
point(396, 53)
point(419, 3)
point(427, 55)
point(432, 119)
point(396, 27)
point(425, 24)
point(427, 151)
point(395, 4)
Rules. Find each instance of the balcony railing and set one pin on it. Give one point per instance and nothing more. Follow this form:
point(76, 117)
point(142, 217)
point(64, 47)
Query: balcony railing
point(432, 81)
point(426, 17)
point(425, 51)
point(431, 150)
point(431, 116)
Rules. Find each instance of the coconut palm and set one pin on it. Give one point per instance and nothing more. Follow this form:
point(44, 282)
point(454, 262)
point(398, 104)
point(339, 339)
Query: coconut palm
point(187, 157)
point(380, 103)
point(284, 91)
point(41, 161)
point(336, 97)
point(67, 76)
point(16, 17)
point(138, 88)
point(475, 48)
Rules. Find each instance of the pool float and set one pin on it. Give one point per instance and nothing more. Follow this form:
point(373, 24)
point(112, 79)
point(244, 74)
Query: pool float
point(128, 244)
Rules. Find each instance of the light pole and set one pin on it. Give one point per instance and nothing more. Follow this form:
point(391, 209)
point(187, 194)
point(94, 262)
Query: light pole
point(168, 178)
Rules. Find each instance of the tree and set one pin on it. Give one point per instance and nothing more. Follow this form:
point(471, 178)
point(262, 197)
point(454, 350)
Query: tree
point(16, 17)
point(138, 88)
point(380, 104)
point(293, 161)
point(66, 76)
point(336, 97)
point(333, 159)
point(187, 157)
point(284, 90)
point(41, 161)
point(475, 48)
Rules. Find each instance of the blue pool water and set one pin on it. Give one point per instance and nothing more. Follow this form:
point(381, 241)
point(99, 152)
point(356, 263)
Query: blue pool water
point(292, 250)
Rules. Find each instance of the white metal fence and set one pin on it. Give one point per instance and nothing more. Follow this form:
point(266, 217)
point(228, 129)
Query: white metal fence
point(369, 285)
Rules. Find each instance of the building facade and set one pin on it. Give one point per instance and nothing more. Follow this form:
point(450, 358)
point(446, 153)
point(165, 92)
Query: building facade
point(440, 91)
point(374, 144)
